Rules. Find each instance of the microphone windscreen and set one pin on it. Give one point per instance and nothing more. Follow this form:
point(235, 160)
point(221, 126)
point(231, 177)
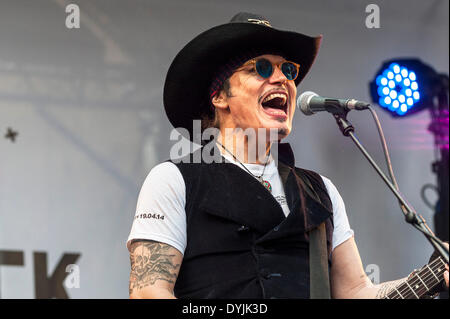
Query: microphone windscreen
point(303, 102)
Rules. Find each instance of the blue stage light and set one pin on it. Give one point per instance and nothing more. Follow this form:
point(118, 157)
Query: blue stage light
point(400, 86)
point(393, 94)
point(404, 72)
point(406, 82)
point(395, 104)
point(395, 67)
point(378, 80)
point(420, 88)
point(391, 84)
point(410, 101)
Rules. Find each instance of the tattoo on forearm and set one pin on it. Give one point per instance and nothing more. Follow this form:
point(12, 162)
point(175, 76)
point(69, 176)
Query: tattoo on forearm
point(387, 287)
point(151, 261)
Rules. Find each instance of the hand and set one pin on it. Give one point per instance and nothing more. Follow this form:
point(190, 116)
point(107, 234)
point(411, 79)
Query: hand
point(443, 286)
point(446, 276)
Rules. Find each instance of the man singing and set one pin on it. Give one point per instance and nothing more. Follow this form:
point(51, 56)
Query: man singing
point(243, 225)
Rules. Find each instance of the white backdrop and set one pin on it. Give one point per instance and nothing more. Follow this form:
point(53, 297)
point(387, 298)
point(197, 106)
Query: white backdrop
point(87, 104)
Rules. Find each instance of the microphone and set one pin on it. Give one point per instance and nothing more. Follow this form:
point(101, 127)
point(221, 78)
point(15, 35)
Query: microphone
point(310, 103)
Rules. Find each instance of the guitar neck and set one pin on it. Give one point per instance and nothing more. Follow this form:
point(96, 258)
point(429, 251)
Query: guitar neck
point(421, 282)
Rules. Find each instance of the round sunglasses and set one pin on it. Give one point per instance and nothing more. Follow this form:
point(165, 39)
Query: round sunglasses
point(265, 68)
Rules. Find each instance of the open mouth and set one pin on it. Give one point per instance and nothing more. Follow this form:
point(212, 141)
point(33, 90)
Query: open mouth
point(276, 104)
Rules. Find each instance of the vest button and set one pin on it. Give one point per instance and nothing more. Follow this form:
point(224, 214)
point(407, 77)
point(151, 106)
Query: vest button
point(243, 228)
point(276, 228)
point(266, 274)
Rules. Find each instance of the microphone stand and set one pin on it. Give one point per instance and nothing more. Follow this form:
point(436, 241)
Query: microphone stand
point(410, 215)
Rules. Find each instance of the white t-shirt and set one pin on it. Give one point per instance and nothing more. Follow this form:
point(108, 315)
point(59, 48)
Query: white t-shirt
point(161, 216)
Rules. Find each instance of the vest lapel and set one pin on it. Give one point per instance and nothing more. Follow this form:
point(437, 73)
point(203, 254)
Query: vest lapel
point(304, 221)
point(236, 195)
point(292, 177)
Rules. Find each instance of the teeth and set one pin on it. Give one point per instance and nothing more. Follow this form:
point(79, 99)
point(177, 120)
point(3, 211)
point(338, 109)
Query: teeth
point(275, 95)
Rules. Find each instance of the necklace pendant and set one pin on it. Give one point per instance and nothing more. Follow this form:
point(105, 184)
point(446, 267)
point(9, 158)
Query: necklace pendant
point(266, 184)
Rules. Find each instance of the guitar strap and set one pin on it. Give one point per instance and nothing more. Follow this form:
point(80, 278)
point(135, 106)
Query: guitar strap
point(319, 278)
point(319, 281)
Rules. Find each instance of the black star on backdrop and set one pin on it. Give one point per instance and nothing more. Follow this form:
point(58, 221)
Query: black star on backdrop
point(10, 134)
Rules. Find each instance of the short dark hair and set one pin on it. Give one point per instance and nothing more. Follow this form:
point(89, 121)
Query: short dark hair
point(211, 119)
point(226, 88)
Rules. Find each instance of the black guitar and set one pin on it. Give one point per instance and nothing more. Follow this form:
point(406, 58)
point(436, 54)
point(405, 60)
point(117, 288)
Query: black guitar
point(421, 282)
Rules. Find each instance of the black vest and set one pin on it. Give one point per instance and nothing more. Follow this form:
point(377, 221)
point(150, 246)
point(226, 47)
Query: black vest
point(239, 242)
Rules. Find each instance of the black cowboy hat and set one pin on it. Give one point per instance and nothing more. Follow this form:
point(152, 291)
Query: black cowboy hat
point(192, 71)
